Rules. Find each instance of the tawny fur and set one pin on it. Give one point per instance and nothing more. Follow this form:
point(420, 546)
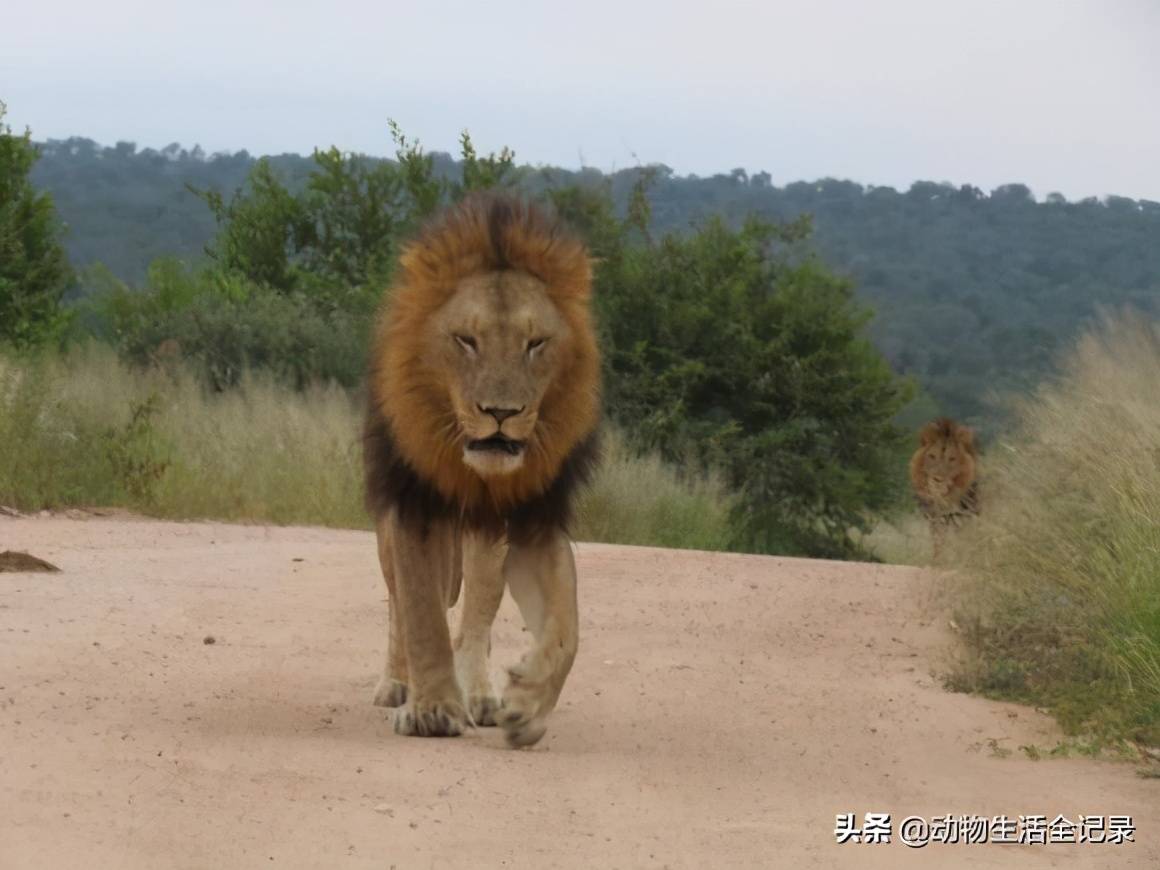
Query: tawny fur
point(943, 474)
point(441, 521)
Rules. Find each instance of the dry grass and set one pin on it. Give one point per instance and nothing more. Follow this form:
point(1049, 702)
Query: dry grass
point(1057, 585)
point(901, 540)
point(637, 499)
point(85, 430)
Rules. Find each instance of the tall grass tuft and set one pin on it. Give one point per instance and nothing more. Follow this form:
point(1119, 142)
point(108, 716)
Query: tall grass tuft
point(900, 538)
point(642, 500)
point(85, 429)
point(1059, 583)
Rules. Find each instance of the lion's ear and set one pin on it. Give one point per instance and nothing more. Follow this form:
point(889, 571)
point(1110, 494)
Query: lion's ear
point(927, 435)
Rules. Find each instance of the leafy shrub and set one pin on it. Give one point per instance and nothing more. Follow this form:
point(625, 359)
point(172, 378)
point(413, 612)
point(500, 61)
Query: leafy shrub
point(224, 327)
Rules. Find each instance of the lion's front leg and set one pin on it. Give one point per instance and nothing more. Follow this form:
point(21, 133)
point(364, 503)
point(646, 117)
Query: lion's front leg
point(483, 559)
point(425, 565)
point(938, 533)
point(542, 578)
point(391, 690)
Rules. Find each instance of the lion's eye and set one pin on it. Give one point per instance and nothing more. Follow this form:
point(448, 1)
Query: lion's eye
point(467, 343)
point(535, 343)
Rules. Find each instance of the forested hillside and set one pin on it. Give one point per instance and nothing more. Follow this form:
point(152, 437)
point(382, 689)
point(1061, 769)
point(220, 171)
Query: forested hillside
point(973, 291)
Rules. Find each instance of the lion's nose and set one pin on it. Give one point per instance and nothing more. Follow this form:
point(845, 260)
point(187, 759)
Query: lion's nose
point(500, 414)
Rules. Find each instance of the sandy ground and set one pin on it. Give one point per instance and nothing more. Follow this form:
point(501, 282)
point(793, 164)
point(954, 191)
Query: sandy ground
point(722, 711)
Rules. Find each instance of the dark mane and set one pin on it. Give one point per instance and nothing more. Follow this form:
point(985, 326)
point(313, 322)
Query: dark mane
point(391, 483)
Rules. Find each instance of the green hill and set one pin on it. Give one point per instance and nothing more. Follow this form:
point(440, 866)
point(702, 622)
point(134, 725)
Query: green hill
point(974, 291)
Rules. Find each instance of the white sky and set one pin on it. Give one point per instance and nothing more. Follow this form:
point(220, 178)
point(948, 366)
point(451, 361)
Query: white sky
point(1058, 94)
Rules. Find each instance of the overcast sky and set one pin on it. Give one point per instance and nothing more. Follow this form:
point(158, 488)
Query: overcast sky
point(1058, 94)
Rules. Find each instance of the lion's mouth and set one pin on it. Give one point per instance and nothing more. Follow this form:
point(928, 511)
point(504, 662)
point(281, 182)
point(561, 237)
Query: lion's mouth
point(497, 444)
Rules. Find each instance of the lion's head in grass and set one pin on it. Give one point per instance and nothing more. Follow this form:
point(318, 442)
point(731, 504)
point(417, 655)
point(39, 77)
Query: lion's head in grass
point(944, 470)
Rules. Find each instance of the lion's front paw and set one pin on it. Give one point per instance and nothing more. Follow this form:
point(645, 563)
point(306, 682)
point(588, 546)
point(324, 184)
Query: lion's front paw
point(521, 732)
point(484, 710)
point(526, 702)
point(431, 719)
point(471, 675)
point(390, 693)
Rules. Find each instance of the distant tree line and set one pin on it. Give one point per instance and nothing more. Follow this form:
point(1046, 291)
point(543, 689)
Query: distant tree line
point(974, 292)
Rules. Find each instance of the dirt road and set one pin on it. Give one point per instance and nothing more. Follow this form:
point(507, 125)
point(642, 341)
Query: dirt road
point(722, 711)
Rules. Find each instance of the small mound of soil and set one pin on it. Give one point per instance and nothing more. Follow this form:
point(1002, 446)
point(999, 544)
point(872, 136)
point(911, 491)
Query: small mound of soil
point(12, 561)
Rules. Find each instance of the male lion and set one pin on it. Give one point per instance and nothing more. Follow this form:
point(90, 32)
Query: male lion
point(482, 420)
point(943, 474)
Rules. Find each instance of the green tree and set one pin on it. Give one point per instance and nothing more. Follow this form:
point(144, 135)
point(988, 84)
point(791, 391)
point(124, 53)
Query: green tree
point(340, 233)
point(737, 349)
point(482, 173)
point(261, 231)
point(34, 271)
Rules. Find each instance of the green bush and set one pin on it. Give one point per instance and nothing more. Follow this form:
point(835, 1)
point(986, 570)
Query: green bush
point(736, 350)
point(224, 327)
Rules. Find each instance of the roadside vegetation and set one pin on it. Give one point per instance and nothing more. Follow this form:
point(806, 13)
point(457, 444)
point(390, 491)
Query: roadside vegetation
point(95, 431)
point(1056, 587)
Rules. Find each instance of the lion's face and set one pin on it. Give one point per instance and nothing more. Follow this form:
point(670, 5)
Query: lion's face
point(946, 464)
point(485, 371)
point(499, 342)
